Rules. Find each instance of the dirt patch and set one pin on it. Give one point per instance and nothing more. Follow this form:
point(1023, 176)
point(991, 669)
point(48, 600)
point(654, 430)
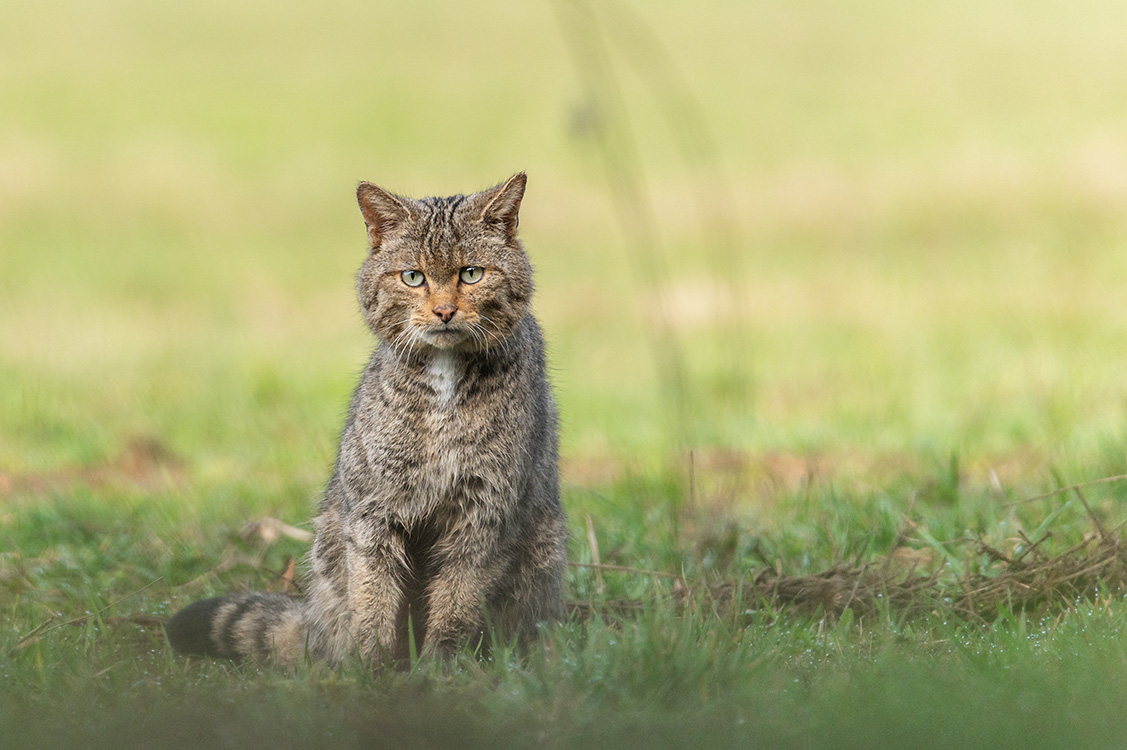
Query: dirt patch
point(145, 462)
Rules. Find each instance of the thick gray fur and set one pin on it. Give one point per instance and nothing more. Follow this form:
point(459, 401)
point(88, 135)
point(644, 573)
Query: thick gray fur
point(442, 513)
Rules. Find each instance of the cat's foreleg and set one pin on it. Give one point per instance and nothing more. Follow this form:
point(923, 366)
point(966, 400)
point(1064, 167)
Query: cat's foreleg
point(472, 563)
point(377, 565)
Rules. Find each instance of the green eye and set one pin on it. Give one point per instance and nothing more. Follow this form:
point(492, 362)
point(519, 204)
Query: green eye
point(413, 278)
point(472, 274)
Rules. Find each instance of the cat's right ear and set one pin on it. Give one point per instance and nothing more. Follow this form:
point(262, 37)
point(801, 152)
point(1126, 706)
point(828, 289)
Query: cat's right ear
point(383, 212)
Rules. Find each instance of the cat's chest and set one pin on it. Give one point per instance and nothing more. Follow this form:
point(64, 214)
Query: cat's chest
point(445, 410)
point(438, 433)
point(443, 375)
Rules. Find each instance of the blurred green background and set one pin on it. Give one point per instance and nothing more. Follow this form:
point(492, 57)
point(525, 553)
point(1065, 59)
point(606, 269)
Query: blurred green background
point(822, 282)
point(926, 208)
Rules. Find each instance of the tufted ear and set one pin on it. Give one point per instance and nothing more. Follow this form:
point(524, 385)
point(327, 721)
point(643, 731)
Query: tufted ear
point(502, 204)
point(383, 212)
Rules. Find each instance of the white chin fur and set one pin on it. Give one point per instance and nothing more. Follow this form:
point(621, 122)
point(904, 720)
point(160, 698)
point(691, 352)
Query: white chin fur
point(441, 340)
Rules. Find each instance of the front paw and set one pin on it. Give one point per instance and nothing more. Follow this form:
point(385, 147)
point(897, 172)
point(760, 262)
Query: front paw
point(447, 642)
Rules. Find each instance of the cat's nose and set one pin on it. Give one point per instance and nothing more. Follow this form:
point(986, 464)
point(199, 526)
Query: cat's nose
point(446, 312)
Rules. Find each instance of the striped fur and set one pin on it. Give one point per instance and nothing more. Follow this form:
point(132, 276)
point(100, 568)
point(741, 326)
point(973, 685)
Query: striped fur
point(442, 512)
point(253, 625)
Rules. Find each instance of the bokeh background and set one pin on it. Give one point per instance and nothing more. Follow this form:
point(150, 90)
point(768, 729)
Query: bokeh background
point(847, 238)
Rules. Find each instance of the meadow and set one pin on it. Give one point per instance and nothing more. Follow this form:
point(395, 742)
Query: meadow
point(826, 287)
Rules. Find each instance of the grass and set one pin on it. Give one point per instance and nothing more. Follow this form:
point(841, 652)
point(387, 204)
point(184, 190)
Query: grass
point(920, 326)
point(672, 674)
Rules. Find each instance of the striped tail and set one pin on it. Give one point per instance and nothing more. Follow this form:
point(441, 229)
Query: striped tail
point(241, 626)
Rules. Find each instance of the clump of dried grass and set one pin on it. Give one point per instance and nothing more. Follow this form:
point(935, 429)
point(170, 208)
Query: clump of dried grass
point(914, 582)
point(1037, 583)
point(1030, 582)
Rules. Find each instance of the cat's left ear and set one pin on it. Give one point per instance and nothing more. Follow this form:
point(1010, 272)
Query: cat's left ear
point(502, 204)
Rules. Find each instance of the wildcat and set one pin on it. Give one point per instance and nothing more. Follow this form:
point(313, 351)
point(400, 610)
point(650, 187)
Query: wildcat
point(442, 513)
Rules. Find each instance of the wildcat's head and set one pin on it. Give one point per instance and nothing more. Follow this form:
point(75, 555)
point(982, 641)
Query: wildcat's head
point(445, 273)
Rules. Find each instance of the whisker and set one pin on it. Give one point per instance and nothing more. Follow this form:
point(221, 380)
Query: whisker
point(478, 334)
point(496, 327)
point(475, 330)
point(395, 342)
point(404, 339)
